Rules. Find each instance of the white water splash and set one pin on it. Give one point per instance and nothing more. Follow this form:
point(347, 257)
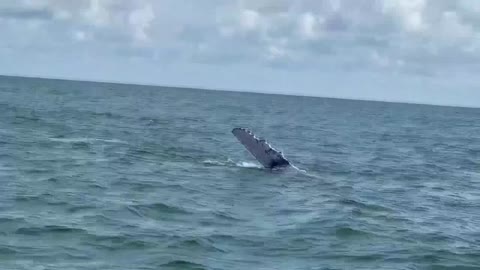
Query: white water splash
point(298, 169)
point(229, 162)
point(249, 164)
point(304, 172)
point(215, 162)
point(246, 164)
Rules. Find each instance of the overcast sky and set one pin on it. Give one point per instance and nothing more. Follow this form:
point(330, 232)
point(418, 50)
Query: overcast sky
point(425, 51)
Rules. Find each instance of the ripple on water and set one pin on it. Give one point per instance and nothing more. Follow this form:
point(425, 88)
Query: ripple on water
point(49, 229)
point(365, 206)
point(350, 233)
point(182, 264)
point(122, 241)
point(193, 244)
point(156, 210)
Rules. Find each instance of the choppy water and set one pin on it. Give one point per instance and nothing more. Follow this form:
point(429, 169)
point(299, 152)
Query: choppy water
point(104, 176)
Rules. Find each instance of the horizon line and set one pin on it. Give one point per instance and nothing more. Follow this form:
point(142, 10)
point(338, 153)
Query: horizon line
point(235, 91)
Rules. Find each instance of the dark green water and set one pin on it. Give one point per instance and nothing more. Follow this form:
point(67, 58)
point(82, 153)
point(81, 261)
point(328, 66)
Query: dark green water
point(104, 176)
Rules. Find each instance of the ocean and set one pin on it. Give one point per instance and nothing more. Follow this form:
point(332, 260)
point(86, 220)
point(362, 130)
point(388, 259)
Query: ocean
point(112, 176)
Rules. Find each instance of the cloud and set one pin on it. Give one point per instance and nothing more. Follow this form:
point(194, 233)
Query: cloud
point(385, 35)
point(249, 20)
point(309, 26)
point(410, 14)
point(25, 14)
point(140, 20)
point(107, 18)
point(97, 13)
point(81, 35)
point(401, 35)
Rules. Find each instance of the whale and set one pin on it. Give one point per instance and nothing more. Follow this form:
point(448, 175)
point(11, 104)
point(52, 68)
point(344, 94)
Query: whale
point(268, 156)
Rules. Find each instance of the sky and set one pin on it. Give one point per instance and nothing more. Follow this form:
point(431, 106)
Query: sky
point(419, 51)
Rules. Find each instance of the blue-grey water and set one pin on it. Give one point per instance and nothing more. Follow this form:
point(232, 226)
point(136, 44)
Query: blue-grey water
point(109, 176)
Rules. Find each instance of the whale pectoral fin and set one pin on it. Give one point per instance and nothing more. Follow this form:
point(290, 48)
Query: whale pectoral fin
point(260, 149)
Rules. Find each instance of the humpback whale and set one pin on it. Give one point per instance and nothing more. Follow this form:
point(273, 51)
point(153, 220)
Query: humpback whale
point(268, 156)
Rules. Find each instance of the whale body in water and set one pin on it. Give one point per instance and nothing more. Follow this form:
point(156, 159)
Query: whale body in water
point(268, 156)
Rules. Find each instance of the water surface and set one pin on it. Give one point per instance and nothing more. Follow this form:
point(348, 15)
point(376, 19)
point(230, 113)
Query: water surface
point(108, 176)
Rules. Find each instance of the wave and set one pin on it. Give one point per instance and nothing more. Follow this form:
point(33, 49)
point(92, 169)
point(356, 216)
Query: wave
point(48, 229)
point(8, 251)
point(364, 205)
point(86, 140)
point(105, 114)
point(195, 244)
point(156, 209)
point(226, 216)
point(182, 264)
point(119, 241)
point(349, 232)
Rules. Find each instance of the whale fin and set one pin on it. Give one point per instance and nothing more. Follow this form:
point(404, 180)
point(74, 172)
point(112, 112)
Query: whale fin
point(268, 156)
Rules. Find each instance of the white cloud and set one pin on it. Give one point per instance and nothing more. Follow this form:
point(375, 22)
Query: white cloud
point(467, 6)
point(386, 62)
point(275, 53)
point(140, 20)
point(110, 18)
point(404, 34)
point(97, 12)
point(80, 35)
point(249, 19)
point(453, 28)
point(310, 26)
point(410, 32)
point(62, 15)
point(410, 13)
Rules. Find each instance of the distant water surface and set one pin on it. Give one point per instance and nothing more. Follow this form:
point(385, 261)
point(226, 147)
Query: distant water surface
point(107, 176)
